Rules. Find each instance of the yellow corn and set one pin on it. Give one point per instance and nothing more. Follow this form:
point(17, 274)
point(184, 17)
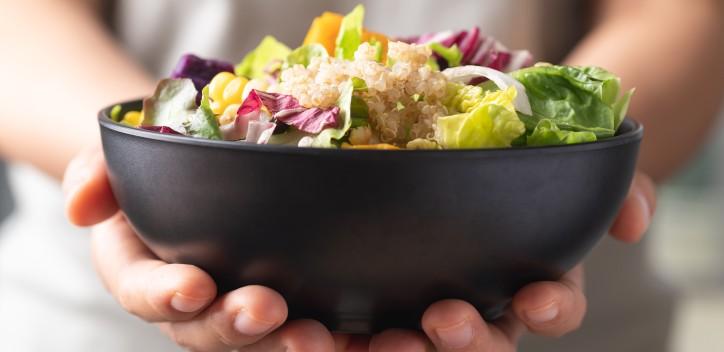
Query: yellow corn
point(225, 89)
point(133, 118)
point(229, 114)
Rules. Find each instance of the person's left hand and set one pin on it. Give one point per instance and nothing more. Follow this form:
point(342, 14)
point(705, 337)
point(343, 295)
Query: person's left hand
point(543, 308)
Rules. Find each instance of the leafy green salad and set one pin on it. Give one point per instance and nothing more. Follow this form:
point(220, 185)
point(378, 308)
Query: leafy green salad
point(352, 88)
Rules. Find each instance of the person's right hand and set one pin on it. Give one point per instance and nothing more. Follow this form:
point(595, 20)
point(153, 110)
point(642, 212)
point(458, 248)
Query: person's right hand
point(181, 299)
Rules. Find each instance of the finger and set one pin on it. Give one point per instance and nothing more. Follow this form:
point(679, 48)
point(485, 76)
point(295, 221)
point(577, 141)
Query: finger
point(351, 343)
point(143, 285)
point(238, 319)
point(637, 210)
point(552, 308)
point(455, 325)
point(395, 340)
point(88, 196)
point(297, 336)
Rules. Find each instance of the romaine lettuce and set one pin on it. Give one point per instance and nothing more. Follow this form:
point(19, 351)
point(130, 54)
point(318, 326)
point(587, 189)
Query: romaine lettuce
point(350, 34)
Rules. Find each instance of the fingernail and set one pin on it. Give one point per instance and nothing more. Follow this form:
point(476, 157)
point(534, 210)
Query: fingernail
point(644, 207)
point(250, 326)
point(187, 304)
point(543, 315)
point(456, 336)
point(77, 173)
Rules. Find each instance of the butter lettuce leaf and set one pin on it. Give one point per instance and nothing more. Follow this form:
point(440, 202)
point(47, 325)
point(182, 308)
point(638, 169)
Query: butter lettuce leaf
point(255, 63)
point(491, 123)
point(574, 98)
point(548, 133)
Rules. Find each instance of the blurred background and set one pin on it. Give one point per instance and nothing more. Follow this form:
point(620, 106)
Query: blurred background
point(687, 247)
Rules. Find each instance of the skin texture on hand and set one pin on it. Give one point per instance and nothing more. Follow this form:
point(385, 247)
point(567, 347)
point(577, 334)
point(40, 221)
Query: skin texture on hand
point(182, 299)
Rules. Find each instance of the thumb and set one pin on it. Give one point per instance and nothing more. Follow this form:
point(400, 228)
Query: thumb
point(88, 196)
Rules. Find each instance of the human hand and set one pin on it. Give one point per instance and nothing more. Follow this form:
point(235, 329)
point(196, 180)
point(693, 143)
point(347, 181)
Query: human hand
point(182, 298)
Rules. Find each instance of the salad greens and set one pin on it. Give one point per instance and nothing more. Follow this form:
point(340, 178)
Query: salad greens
point(348, 87)
point(350, 34)
point(256, 62)
point(304, 54)
point(172, 105)
point(490, 123)
point(326, 137)
point(575, 99)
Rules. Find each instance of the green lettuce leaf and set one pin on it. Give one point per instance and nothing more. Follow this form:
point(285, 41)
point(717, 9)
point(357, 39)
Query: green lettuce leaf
point(547, 133)
point(574, 98)
point(203, 123)
point(350, 34)
point(492, 123)
point(344, 120)
point(452, 55)
point(378, 49)
point(269, 50)
point(304, 54)
point(173, 103)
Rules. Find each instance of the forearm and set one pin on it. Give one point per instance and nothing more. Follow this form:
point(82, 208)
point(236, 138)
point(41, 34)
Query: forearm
point(671, 51)
point(62, 67)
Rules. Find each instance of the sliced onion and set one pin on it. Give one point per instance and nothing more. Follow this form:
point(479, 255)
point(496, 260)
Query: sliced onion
point(465, 74)
point(519, 59)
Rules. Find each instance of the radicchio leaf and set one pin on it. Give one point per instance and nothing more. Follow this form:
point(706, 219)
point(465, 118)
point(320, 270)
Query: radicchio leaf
point(161, 129)
point(286, 109)
point(477, 49)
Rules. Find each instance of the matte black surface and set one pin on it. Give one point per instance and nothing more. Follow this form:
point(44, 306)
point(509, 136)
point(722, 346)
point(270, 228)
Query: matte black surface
point(366, 240)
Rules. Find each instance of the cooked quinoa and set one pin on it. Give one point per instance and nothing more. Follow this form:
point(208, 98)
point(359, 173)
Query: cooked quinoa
point(404, 99)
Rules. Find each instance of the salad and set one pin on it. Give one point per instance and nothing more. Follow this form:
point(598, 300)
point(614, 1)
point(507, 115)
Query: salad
point(348, 87)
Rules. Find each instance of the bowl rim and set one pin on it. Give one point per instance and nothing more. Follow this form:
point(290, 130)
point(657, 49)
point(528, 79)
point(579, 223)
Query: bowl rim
point(634, 135)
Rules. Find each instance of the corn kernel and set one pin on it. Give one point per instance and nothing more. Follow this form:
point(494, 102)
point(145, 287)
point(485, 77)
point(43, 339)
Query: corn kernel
point(133, 118)
point(229, 114)
point(258, 84)
point(218, 85)
point(217, 107)
point(233, 90)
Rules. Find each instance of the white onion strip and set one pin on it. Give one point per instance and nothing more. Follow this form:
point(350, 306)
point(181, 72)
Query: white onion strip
point(465, 74)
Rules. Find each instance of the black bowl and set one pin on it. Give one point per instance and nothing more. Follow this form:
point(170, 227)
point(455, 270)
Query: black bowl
point(366, 240)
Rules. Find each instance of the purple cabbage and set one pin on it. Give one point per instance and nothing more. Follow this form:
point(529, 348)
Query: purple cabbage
point(200, 71)
point(477, 49)
point(286, 109)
